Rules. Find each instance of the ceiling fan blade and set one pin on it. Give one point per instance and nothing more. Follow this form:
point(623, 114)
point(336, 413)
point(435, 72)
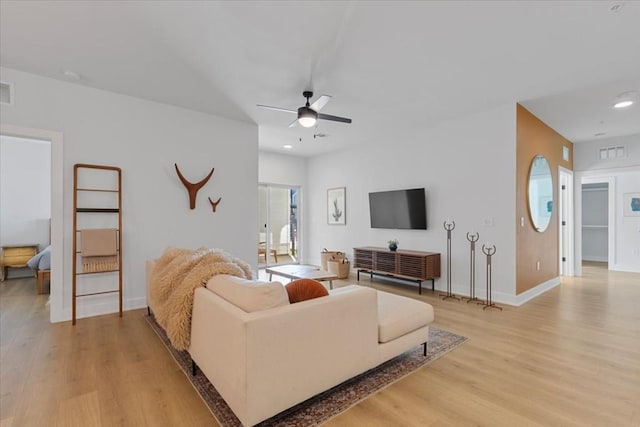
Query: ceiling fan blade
point(277, 108)
point(333, 118)
point(320, 102)
point(294, 123)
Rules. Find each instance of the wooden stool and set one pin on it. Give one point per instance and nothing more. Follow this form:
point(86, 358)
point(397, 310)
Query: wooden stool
point(42, 276)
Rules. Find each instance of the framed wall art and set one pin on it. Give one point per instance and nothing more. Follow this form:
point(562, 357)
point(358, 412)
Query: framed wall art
point(336, 206)
point(631, 204)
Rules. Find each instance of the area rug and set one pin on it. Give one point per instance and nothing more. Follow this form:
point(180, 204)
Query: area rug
point(326, 405)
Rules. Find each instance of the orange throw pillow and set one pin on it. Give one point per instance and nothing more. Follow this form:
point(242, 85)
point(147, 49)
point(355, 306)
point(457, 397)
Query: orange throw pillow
point(304, 289)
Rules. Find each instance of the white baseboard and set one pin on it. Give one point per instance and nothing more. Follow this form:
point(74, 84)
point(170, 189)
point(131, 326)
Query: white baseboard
point(595, 258)
point(508, 299)
point(101, 308)
point(625, 267)
point(520, 299)
point(480, 292)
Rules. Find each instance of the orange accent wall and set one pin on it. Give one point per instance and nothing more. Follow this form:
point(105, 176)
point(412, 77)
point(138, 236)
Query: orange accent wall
point(534, 137)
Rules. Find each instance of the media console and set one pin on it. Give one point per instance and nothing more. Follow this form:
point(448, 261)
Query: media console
point(414, 266)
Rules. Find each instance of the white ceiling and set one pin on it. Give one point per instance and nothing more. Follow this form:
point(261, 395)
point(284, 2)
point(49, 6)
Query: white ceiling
point(388, 65)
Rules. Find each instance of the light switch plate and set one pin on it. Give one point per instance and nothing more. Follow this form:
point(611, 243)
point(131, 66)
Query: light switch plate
point(487, 222)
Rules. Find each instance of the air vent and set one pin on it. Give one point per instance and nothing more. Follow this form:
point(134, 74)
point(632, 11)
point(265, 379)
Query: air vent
point(616, 7)
point(6, 93)
point(608, 153)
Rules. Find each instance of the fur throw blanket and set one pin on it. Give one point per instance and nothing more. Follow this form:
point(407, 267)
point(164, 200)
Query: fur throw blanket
point(176, 275)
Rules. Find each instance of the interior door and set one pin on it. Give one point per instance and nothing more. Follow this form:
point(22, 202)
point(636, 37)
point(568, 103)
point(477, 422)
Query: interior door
point(565, 213)
point(277, 225)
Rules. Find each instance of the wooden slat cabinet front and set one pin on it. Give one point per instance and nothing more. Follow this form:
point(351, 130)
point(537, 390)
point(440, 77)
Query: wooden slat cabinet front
point(415, 266)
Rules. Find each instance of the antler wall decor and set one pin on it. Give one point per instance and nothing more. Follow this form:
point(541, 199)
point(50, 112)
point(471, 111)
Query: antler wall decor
point(193, 188)
point(214, 205)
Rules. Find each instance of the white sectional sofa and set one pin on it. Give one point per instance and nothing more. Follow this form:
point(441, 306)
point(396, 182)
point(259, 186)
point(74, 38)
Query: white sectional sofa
point(263, 360)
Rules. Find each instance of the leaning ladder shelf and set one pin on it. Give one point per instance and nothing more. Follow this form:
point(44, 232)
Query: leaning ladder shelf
point(101, 210)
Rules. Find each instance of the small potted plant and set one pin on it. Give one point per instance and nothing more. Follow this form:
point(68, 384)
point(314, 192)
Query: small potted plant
point(393, 244)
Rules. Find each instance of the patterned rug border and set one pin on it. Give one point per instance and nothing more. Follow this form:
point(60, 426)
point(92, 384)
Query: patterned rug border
point(313, 411)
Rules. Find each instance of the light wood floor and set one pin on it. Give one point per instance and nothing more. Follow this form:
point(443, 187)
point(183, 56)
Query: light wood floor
point(571, 357)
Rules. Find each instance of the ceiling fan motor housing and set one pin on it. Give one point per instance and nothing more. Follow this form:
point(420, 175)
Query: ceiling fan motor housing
point(307, 112)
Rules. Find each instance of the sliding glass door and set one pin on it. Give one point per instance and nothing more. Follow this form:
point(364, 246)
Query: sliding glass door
point(277, 225)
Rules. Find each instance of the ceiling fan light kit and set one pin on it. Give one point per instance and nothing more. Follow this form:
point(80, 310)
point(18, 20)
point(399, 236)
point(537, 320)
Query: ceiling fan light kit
point(307, 117)
point(623, 104)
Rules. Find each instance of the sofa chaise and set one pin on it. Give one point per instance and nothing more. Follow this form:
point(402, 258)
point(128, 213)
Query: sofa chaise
point(265, 355)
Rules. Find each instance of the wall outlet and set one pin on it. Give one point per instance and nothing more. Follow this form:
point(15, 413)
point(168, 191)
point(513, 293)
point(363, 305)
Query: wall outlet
point(487, 222)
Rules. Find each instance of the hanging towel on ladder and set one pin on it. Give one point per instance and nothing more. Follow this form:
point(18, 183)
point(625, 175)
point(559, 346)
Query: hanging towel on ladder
point(99, 249)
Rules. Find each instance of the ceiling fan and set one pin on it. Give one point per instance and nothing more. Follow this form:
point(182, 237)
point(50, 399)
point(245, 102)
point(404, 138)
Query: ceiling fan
point(308, 115)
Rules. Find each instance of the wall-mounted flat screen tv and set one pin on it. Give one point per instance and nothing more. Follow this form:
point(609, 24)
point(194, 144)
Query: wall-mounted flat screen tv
point(400, 209)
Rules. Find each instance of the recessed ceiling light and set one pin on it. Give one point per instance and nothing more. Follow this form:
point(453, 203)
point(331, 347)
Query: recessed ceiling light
point(626, 99)
point(72, 74)
point(623, 104)
point(287, 146)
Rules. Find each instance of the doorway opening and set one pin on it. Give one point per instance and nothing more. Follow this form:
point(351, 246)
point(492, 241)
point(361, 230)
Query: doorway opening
point(596, 226)
point(57, 312)
point(25, 212)
point(278, 225)
point(25, 208)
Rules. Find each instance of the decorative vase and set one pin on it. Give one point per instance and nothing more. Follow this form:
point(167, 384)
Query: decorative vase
point(393, 247)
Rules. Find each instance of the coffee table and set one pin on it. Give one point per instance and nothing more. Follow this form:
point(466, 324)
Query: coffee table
point(297, 271)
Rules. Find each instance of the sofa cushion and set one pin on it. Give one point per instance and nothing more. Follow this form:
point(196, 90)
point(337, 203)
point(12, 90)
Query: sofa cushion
point(304, 289)
point(248, 295)
point(398, 315)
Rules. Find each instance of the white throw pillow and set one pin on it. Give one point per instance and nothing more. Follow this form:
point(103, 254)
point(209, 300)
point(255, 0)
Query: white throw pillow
point(248, 295)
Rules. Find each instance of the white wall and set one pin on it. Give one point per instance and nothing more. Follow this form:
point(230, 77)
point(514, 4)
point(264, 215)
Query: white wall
point(282, 169)
point(586, 155)
point(145, 139)
point(25, 186)
point(25, 193)
point(627, 238)
point(467, 166)
point(623, 176)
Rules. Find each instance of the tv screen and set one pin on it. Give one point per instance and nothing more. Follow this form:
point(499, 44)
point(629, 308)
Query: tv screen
point(402, 209)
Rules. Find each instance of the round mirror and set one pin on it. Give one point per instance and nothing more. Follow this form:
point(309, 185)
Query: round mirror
point(540, 191)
